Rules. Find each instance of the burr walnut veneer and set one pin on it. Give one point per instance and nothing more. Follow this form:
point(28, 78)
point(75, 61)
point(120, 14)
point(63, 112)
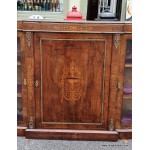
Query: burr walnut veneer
point(72, 73)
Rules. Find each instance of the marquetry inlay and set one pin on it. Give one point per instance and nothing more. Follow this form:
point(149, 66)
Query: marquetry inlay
point(71, 89)
point(28, 35)
point(117, 38)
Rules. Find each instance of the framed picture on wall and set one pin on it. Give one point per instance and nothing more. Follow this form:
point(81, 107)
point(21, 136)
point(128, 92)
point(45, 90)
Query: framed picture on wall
point(129, 10)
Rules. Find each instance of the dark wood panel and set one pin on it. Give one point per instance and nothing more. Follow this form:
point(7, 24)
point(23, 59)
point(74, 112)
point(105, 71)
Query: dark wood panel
point(72, 134)
point(67, 66)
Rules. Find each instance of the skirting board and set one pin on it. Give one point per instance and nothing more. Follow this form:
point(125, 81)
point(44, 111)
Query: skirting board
point(61, 134)
point(21, 131)
point(124, 133)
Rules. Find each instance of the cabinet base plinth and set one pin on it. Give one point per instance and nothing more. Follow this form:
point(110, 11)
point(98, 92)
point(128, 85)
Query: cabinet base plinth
point(124, 133)
point(21, 131)
point(61, 134)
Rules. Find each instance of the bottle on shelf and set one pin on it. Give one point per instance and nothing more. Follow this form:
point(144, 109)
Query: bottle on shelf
point(29, 5)
point(21, 4)
point(39, 5)
point(57, 6)
point(53, 5)
point(50, 5)
point(61, 5)
point(18, 4)
point(46, 5)
point(25, 5)
point(36, 5)
point(42, 5)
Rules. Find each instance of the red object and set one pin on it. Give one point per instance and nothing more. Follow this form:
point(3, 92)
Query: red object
point(74, 14)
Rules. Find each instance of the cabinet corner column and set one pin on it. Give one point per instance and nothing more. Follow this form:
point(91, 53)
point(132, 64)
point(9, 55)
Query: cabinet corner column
point(114, 78)
point(30, 79)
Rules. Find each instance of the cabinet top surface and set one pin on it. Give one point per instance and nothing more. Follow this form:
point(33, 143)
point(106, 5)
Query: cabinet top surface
point(74, 21)
point(75, 26)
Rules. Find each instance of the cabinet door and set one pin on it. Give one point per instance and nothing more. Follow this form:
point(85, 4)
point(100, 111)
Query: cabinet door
point(124, 111)
point(21, 82)
point(72, 73)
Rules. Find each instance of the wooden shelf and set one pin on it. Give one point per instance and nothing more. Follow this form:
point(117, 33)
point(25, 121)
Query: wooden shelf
point(19, 95)
point(127, 96)
point(128, 65)
point(18, 63)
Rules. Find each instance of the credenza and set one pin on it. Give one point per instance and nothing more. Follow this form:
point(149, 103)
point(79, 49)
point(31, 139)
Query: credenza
point(74, 80)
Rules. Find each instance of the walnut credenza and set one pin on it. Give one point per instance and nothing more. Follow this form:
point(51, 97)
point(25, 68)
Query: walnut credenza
point(72, 77)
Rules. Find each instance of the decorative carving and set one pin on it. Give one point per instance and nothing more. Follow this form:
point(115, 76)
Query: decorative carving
point(30, 82)
point(28, 35)
point(111, 125)
point(36, 83)
point(119, 85)
point(30, 87)
point(25, 82)
point(117, 38)
point(63, 27)
point(31, 123)
point(71, 88)
point(82, 28)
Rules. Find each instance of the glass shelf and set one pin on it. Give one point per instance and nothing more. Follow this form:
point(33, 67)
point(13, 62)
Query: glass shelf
point(18, 63)
point(19, 109)
point(19, 88)
point(128, 78)
point(126, 115)
point(127, 96)
point(40, 5)
point(19, 95)
point(18, 74)
point(19, 81)
point(128, 65)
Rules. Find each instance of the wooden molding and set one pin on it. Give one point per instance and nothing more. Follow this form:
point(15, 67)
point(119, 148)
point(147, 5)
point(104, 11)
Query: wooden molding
point(21, 131)
point(71, 134)
point(124, 133)
point(74, 26)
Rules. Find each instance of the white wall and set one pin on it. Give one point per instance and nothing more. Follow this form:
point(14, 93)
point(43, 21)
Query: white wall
point(74, 3)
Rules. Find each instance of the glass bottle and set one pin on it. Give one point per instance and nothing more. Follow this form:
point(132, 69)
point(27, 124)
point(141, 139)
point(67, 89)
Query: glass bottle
point(57, 6)
point(61, 5)
point(29, 5)
point(50, 5)
point(36, 5)
point(18, 4)
point(42, 5)
point(25, 5)
point(53, 5)
point(46, 5)
point(39, 5)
